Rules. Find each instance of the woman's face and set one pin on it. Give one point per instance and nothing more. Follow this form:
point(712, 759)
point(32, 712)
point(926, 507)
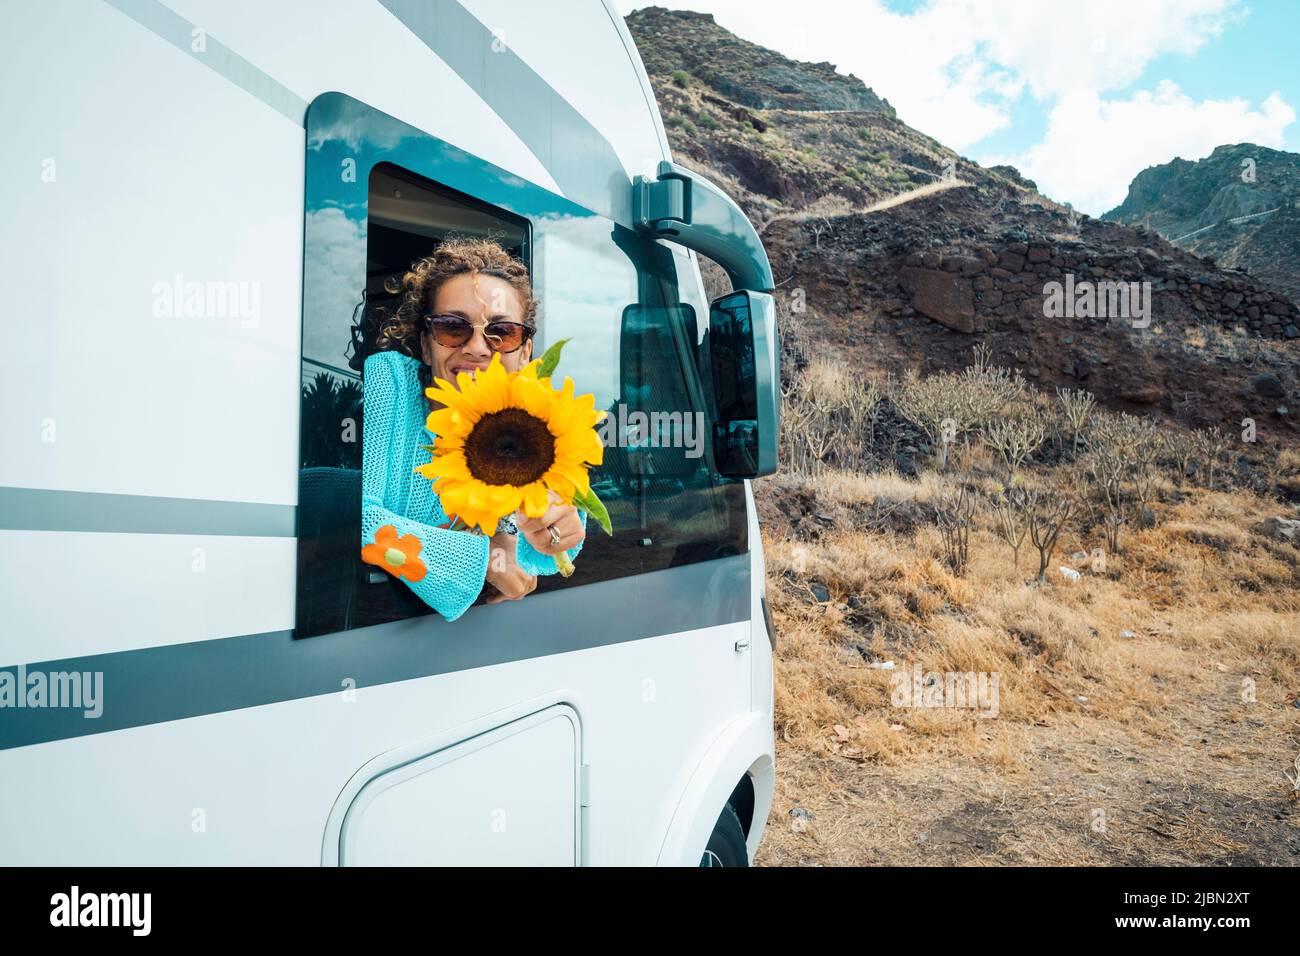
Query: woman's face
point(479, 299)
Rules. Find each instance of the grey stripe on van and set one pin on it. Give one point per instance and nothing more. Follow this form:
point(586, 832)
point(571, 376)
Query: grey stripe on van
point(180, 33)
point(158, 684)
point(576, 154)
point(44, 509)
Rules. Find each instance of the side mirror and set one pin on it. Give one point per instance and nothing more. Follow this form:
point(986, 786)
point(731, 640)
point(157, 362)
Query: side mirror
point(744, 356)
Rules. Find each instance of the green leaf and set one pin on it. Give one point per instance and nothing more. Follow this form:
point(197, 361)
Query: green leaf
point(592, 504)
point(550, 359)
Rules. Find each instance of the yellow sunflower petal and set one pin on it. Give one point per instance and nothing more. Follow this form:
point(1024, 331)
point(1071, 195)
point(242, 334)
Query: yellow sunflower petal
point(561, 485)
point(450, 465)
point(532, 397)
point(536, 500)
point(575, 473)
point(578, 445)
point(446, 394)
point(506, 498)
point(490, 388)
point(449, 422)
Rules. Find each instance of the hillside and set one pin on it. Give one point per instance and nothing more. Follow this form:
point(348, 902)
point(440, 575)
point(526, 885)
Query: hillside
point(906, 251)
point(1240, 205)
point(744, 72)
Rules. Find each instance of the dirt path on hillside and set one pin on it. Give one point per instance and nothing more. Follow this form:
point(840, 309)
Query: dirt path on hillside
point(824, 211)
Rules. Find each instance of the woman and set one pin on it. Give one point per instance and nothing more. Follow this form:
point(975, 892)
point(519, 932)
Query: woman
point(467, 300)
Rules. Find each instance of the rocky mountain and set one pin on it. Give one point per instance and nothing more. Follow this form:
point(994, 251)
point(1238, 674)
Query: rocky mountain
point(1240, 206)
point(744, 72)
point(894, 252)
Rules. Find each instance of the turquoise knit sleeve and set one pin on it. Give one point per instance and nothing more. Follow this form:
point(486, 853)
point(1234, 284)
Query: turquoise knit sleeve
point(456, 562)
point(534, 562)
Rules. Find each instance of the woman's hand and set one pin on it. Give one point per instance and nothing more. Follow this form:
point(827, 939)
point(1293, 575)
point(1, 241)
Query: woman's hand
point(563, 518)
point(511, 581)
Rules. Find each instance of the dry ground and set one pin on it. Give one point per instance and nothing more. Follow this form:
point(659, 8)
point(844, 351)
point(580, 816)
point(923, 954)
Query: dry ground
point(1106, 748)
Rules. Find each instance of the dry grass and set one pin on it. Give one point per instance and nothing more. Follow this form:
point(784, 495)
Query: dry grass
point(1118, 692)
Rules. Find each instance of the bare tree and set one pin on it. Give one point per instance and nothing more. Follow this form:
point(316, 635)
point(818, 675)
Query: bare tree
point(828, 416)
point(948, 406)
point(1047, 517)
point(1015, 438)
point(1144, 447)
point(861, 410)
point(930, 404)
point(984, 391)
point(1210, 444)
point(1076, 406)
point(954, 514)
point(1011, 508)
point(1180, 445)
point(1112, 522)
point(1122, 448)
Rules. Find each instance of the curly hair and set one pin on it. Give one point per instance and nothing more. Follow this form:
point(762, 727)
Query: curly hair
point(401, 328)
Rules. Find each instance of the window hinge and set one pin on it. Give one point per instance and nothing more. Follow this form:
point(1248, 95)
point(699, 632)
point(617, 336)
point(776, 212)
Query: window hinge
point(660, 205)
point(584, 785)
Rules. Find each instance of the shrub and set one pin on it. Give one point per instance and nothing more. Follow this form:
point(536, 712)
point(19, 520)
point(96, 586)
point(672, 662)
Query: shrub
point(828, 416)
point(1015, 438)
point(954, 514)
point(1210, 444)
point(1011, 508)
point(947, 405)
point(1076, 406)
point(1046, 516)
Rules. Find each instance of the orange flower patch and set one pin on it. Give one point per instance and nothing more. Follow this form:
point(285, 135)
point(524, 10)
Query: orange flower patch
point(398, 555)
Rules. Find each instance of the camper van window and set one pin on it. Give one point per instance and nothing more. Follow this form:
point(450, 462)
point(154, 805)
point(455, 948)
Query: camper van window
point(633, 314)
point(346, 480)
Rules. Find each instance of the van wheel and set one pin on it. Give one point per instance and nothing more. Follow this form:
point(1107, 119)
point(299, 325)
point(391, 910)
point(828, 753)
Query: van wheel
point(727, 842)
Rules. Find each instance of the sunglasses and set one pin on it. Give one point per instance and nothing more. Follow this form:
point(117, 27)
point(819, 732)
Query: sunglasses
point(453, 331)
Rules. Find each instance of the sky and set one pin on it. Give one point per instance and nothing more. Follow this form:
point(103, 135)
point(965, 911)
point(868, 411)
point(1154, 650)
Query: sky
point(1079, 95)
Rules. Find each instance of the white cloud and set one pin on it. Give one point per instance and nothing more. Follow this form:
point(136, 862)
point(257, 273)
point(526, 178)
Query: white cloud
point(954, 69)
point(1094, 147)
point(1057, 49)
point(333, 278)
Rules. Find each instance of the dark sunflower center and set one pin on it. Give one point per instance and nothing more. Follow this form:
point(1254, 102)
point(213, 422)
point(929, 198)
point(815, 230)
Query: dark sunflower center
point(509, 447)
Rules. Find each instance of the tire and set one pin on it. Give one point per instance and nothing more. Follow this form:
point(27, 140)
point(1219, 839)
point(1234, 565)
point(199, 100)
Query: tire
point(727, 842)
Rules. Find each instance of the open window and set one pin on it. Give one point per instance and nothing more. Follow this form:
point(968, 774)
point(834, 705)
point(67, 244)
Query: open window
point(381, 195)
point(407, 217)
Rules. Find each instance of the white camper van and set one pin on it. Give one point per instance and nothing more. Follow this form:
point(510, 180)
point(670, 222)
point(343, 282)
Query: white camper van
point(204, 201)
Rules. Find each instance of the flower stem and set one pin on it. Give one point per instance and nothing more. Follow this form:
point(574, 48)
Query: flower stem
point(564, 563)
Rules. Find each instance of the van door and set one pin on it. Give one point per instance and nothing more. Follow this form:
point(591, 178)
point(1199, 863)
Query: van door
point(507, 797)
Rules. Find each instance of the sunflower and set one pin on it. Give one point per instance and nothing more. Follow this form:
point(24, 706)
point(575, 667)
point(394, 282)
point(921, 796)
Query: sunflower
point(504, 439)
point(397, 554)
